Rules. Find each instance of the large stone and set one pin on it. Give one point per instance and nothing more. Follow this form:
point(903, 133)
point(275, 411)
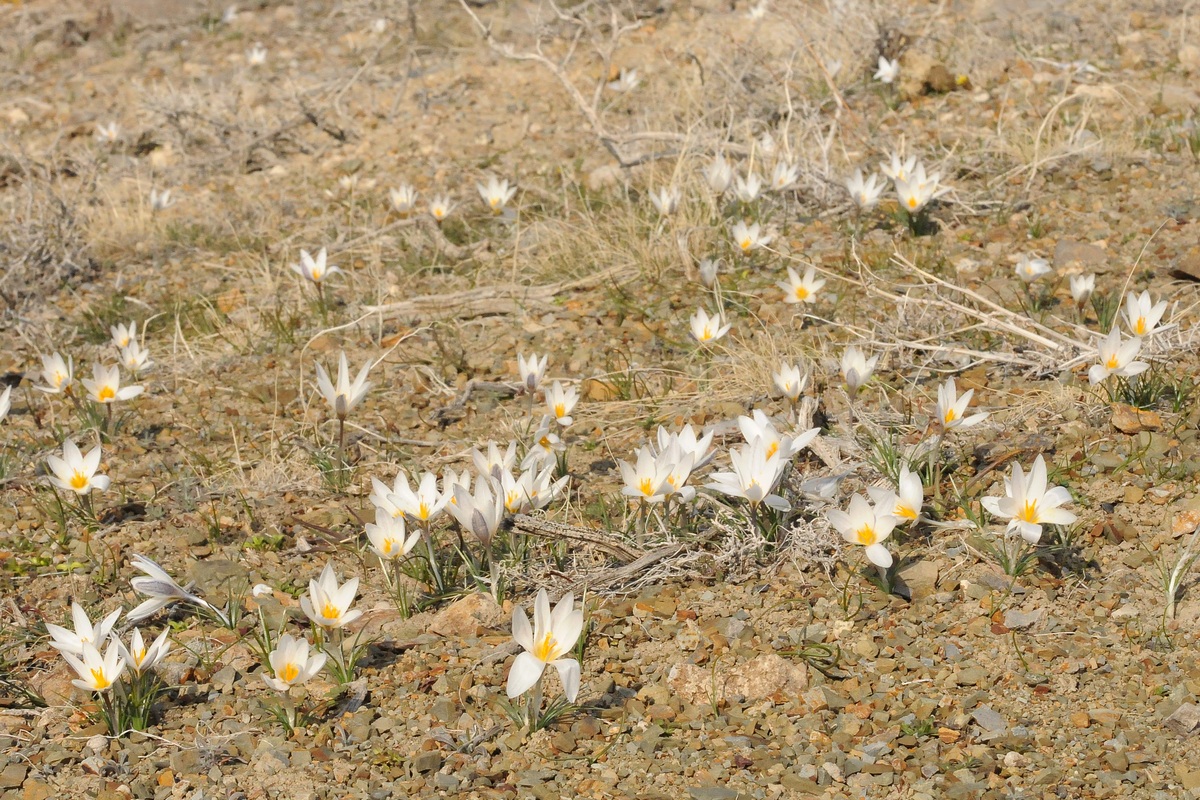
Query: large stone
point(1185, 719)
point(920, 577)
point(469, 616)
point(762, 677)
point(1072, 256)
point(1128, 419)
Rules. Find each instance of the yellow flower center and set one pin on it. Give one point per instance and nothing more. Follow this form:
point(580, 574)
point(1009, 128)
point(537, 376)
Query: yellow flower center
point(801, 292)
point(330, 611)
point(1112, 362)
point(290, 673)
point(423, 510)
point(99, 680)
point(912, 201)
point(905, 511)
point(646, 486)
point(950, 416)
point(547, 648)
point(544, 442)
point(58, 379)
point(495, 201)
point(772, 449)
point(78, 480)
point(706, 334)
point(560, 409)
point(865, 535)
point(139, 657)
point(1140, 327)
point(1030, 512)
point(747, 243)
point(388, 544)
point(105, 394)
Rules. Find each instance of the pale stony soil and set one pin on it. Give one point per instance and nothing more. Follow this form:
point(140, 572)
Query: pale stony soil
point(731, 670)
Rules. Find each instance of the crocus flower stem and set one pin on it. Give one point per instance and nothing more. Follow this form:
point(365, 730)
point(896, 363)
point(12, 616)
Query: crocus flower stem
point(341, 451)
point(432, 554)
point(935, 465)
point(534, 709)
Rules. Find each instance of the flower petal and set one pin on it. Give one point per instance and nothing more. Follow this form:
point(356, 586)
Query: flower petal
point(523, 674)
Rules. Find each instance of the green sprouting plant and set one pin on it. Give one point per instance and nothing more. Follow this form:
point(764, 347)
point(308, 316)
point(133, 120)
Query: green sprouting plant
point(1106, 307)
point(919, 729)
point(1012, 554)
point(1172, 576)
point(884, 454)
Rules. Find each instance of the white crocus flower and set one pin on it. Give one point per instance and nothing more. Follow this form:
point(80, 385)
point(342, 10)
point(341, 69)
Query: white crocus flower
point(539, 486)
point(496, 462)
point(1142, 314)
point(627, 81)
point(423, 505)
point(888, 70)
point(951, 407)
point(135, 358)
point(388, 537)
point(1082, 287)
point(256, 56)
point(531, 369)
point(749, 237)
point(801, 290)
point(1030, 269)
point(919, 189)
point(1027, 503)
point(404, 199)
point(719, 174)
point(140, 657)
point(314, 269)
point(905, 503)
point(161, 589)
point(480, 512)
point(857, 368)
point(864, 193)
point(440, 207)
point(666, 200)
point(123, 335)
point(327, 604)
point(561, 401)
point(790, 381)
point(57, 373)
point(863, 524)
point(108, 133)
point(96, 673)
point(551, 637)
point(679, 466)
point(646, 479)
point(1117, 358)
point(707, 329)
point(292, 663)
point(759, 429)
point(898, 168)
point(698, 449)
point(496, 193)
point(784, 176)
point(75, 472)
point(544, 449)
point(160, 201)
point(708, 269)
point(747, 189)
point(105, 385)
point(345, 395)
point(68, 641)
point(753, 477)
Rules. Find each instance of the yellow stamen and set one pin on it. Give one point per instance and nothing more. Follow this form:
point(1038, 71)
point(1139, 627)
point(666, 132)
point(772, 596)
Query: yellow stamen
point(290, 673)
point(78, 481)
point(646, 486)
point(99, 681)
point(1112, 362)
point(747, 243)
point(330, 611)
point(905, 511)
point(772, 449)
point(105, 394)
point(546, 649)
point(1140, 328)
point(139, 657)
point(801, 292)
point(423, 510)
point(560, 409)
point(1030, 512)
point(865, 535)
point(912, 202)
point(950, 416)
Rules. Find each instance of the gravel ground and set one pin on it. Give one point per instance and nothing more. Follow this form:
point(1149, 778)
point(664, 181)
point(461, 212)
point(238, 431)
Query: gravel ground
point(723, 663)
